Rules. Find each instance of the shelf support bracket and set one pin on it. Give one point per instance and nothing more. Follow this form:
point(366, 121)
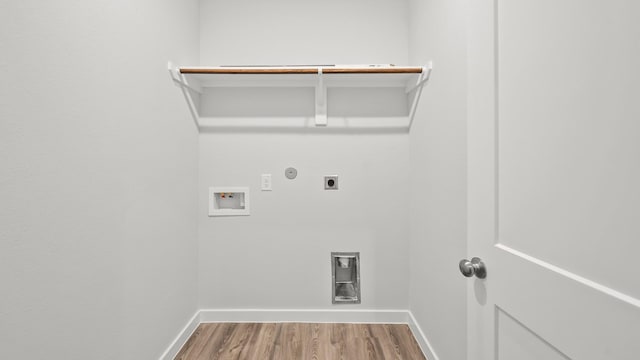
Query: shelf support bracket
point(181, 82)
point(321, 101)
point(417, 89)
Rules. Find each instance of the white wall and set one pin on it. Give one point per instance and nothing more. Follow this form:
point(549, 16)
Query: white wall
point(438, 176)
point(279, 256)
point(303, 32)
point(98, 162)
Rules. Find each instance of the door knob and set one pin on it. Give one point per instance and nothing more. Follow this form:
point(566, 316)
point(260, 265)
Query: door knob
point(474, 267)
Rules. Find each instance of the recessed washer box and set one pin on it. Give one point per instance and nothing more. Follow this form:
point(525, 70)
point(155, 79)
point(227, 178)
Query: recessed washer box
point(229, 201)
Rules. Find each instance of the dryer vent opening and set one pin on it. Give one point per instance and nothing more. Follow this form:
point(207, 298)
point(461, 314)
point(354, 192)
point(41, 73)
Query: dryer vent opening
point(345, 277)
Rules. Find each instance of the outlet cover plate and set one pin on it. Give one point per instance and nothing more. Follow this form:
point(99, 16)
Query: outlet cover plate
point(331, 182)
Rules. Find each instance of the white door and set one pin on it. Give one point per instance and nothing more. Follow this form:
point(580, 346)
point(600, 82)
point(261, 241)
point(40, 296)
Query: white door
point(554, 179)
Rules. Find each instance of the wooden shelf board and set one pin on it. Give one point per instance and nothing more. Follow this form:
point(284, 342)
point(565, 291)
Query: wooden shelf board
point(373, 70)
point(325, 70)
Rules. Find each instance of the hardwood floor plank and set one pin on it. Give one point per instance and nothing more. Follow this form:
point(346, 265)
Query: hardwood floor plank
point(312, 341)
point(266, 338)
point(376, 347)
point(218, 343)
point(291, 341)
point(406, 342)
point(196, 343)
point(296, 341)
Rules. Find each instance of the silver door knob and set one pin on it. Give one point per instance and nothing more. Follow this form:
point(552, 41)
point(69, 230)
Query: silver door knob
point(474, 267)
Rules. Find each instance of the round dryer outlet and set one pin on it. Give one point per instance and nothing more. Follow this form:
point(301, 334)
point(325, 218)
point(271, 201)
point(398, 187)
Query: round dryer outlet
point(331, 182)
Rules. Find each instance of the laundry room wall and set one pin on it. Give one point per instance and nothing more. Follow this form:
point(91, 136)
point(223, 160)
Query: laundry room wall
point(279, 256)
point(98, 175)
point(438, 176)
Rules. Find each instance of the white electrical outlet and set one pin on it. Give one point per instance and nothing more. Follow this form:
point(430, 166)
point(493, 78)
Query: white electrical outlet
point(266, 182)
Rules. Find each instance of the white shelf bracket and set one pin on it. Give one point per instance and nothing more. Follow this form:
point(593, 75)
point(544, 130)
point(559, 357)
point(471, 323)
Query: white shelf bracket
point(181, 81)
point(417, 89)
point(321, 101)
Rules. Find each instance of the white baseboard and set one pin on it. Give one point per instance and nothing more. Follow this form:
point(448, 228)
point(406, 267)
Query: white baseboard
point(306, 315)
point(426, 347)
point(295, 315)
point(182, 338)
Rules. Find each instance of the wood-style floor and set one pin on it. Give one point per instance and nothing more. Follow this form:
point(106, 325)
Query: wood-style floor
point(300, 341)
